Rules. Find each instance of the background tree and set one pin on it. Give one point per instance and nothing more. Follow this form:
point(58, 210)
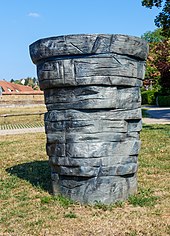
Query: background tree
point(162, 63)
point(153, 36)
point(158, 62)
point(163, 19)
point(29, 81)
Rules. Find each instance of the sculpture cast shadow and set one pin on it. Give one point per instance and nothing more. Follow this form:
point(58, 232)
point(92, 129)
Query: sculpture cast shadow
point(36, 172)
point(154, 126)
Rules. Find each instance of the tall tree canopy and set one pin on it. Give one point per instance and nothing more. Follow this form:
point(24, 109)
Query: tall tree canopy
point(153, 36)
point(158, 62)
point(163, 19)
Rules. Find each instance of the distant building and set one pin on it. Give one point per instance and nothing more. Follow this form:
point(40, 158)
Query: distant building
point(12, 94)
point(12, 88)
point(23, 81)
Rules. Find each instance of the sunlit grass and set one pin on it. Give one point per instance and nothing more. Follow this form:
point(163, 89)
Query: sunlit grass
point(23, 118)
point(22, 109)
point(28, 208)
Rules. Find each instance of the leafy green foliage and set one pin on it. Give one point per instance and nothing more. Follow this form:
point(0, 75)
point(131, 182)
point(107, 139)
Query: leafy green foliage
point(158, 62)
point(153, 36)
point(164, 101)
point(149, 97)
point(151, 3)
point(144, 113)
point(163, 19)
point(29, 81)
point(162, 62)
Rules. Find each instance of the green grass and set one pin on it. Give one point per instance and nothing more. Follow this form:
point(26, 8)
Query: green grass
point(144, 198)
point(70, 215)
point(61, 200)
point(28, 208)
point(104, 207)
point(25, 109)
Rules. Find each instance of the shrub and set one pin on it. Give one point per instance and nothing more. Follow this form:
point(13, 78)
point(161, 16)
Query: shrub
point(149, 97)
point(163, 101)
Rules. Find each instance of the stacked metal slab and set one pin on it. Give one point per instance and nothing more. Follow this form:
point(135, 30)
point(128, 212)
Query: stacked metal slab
point(92, 85)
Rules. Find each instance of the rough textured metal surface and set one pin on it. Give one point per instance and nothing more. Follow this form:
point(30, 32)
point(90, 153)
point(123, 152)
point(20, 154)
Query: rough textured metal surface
point(92, 85)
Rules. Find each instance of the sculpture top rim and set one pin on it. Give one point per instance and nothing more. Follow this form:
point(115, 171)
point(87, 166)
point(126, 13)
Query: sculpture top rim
point(84, 44)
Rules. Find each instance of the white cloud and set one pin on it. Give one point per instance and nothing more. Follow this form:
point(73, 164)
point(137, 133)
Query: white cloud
point(34, 14)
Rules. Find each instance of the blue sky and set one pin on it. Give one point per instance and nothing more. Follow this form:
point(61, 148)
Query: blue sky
point(25, 21)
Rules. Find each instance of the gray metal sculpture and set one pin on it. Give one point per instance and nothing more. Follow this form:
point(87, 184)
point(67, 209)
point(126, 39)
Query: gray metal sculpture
point(92, 85)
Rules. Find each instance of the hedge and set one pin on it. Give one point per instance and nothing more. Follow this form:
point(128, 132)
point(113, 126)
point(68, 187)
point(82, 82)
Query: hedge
point(149, 97)
point(163, 101)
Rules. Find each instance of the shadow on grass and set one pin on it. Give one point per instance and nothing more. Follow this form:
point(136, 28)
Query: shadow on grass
point(37, 173)
point(165, 127)
point(152, 127)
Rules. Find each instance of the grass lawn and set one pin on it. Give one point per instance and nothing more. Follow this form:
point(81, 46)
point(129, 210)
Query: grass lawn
point(27, 208)
point(22, 109)
point(16, 121)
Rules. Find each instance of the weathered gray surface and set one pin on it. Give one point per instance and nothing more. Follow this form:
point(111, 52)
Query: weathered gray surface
point(100, 161)
point(92, 97)
point(92, 85)
point(102, 69)
point(88, 44)
point(71, 114)
point(106, 189)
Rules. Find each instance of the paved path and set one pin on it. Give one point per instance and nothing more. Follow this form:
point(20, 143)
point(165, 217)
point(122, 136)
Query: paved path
point(22, 131)
point(157, 115)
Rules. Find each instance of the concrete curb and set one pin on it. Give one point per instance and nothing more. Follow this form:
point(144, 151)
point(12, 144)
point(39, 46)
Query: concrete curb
point(151, 121)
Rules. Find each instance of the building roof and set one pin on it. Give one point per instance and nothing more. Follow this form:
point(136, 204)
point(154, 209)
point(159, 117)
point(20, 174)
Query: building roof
point(12, 88)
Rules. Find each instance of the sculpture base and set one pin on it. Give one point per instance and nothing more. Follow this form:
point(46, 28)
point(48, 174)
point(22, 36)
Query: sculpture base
point(107, 190)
